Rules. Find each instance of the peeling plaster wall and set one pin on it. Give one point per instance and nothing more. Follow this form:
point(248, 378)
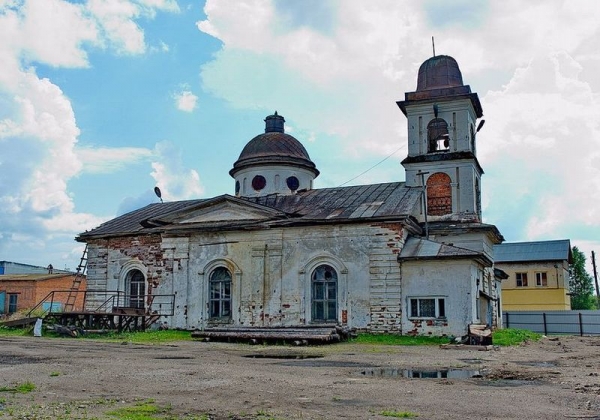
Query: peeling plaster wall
point(455, 281)
point(271, 272)
point(110, 259)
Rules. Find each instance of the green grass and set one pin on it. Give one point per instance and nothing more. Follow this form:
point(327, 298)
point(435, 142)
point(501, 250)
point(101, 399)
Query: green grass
point(147, 337)
point(23, 388)
point(398, 414)
point(399, 340)
point(12, 332)
point(148, 410)
point(513, 336)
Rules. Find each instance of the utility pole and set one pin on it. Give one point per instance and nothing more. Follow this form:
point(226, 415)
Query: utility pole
point(595, 276)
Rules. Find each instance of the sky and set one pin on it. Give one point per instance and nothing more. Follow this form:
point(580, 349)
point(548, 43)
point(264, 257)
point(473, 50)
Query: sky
point(102, 100)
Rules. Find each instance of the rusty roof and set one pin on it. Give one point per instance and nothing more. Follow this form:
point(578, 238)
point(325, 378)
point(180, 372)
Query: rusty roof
point(274, 148)
point(376, 202)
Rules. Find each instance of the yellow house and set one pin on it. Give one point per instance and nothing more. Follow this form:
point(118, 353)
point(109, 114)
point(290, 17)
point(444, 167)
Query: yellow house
point(538, 275)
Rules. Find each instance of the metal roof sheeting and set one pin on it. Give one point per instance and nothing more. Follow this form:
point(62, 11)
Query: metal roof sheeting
point(557, 250)
point(388, 201)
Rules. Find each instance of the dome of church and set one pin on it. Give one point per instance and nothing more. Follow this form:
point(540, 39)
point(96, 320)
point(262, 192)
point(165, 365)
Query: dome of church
point(438, 72)
point(274, 147)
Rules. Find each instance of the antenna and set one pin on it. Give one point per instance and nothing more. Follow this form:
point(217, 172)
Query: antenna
point(433, 45)
point(158, 193)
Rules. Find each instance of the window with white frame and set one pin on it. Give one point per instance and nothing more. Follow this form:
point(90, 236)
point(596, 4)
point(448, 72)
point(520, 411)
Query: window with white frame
point(427, 307)
point(521, 279)
point(541, 279)
point(220, 293)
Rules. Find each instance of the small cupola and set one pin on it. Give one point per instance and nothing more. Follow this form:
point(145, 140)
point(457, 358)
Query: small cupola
point(274, 123)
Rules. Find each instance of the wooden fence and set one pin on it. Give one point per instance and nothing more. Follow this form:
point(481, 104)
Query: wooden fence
point(554, 322)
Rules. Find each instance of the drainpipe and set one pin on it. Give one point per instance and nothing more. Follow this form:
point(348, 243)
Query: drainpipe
point(264, 288)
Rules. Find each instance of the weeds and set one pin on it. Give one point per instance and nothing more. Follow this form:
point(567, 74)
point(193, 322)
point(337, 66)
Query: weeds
point(399, 340)
point(513, 336)
point(23, 388)
point(398, 414)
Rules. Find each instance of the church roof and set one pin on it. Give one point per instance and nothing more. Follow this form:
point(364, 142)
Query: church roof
point(423, 249)
point(440, 71)
point(274, 147)
point(376, 202)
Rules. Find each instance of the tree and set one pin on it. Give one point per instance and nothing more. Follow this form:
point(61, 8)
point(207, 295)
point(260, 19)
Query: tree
point(580, 283)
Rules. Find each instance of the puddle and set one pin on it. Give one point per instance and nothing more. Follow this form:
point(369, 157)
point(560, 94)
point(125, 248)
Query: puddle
point(283, 356)
point(537, 364)
point(424, 374)
point(474, 361)
point(326, 363)
point(507, 383)
point(173, 357)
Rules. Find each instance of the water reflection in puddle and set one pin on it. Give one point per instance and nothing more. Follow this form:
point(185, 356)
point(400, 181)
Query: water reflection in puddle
point(282, 356)
point(537, 364)
point(423, 374)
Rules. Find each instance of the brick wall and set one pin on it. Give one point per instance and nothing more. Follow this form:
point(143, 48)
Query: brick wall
point(31, 291)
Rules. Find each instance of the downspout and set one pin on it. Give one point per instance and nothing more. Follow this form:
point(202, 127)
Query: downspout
point(264, 288)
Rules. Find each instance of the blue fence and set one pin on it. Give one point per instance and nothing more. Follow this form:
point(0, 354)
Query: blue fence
point(554, 322)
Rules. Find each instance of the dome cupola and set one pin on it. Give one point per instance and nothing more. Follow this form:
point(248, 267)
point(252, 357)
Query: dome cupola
point(273, 163)
point(440, 71)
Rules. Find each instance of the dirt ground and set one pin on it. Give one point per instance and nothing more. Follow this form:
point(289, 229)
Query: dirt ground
point(556, 378)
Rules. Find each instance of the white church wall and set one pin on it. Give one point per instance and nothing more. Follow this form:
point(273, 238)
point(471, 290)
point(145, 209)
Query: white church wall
point(453, 281)
point(271, 273)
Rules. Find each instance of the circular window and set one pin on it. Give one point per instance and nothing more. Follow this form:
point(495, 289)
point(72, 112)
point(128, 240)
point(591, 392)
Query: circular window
point(237, 187)
point(259, 182)
point(292, 183)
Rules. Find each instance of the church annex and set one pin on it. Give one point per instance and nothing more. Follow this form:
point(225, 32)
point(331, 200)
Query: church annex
point(407, 257)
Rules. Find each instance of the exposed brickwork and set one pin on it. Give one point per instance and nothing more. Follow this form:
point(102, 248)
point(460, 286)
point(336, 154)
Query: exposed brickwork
point(439, 195)
point(31, 291)
point(385, 278)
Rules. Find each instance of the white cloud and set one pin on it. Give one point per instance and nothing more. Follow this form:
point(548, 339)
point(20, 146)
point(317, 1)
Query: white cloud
point(108, 160)
point(185, 101)
point(172, 177)
point(38, 129)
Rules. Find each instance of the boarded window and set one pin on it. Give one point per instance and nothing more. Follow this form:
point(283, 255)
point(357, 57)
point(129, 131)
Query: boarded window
point(439, 195)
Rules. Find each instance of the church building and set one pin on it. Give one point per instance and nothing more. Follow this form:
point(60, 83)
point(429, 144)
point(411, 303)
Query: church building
point(407, 257)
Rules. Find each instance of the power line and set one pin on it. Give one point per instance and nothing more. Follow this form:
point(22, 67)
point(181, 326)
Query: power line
point(374, 166)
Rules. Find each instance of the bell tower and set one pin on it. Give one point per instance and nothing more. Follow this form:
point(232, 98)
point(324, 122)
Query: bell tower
point(442, 125)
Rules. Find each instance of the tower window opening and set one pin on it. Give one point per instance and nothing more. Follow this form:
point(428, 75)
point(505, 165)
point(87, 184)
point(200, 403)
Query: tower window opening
point(438, 138)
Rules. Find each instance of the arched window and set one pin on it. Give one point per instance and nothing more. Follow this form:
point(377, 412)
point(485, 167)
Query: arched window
point(220, 293)
point(439, 194)
point(324, 294)
point(438, 138)
point(135, 284)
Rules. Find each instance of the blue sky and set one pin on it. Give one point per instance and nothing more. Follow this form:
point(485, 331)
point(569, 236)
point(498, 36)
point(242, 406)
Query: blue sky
point(101, 100)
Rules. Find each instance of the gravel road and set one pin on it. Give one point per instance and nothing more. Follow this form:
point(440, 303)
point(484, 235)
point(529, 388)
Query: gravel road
point(555, 378)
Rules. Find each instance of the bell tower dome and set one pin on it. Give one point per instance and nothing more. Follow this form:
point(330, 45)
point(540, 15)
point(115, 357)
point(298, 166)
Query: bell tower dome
point(273, 163)
point(442, 115)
